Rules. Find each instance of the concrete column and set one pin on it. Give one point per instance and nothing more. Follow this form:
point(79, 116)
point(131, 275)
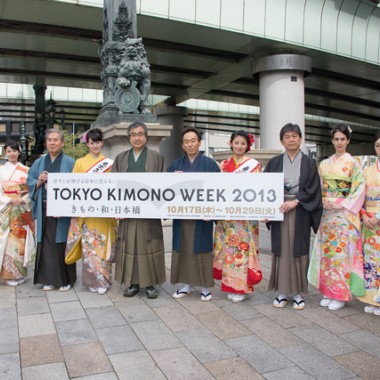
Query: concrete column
point(171, 147)
point(282, 95)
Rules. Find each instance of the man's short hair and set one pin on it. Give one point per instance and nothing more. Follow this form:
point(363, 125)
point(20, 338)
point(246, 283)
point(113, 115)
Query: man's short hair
point(137, 124)
point(290, 127)
point(191, 129)
point(54, 130)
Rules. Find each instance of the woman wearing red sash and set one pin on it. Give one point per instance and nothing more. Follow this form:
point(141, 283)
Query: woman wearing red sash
point(17, 244)
point(94, 236)
point(236, 242)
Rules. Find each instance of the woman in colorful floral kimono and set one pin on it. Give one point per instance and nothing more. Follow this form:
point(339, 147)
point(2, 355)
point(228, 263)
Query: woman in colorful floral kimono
point(371, 235)
point(95, 237)
point(236, 243)
point(336, 266)
point(17, 244)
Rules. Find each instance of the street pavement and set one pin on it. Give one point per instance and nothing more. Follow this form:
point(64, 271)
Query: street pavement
point(81, 335)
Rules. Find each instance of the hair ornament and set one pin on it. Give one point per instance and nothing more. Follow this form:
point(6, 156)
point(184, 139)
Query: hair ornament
point(84, 138)
point(251, 139)
point(349, 129)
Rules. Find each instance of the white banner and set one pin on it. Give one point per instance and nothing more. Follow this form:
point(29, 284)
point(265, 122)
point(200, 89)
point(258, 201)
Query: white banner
point(225, 196)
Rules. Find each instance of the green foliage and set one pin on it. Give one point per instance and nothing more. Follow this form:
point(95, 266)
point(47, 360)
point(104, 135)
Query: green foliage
point(75, 151)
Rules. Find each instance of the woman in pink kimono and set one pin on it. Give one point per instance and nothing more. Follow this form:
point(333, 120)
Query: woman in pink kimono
point(236, 242)
point(336, 265)
point(371, 235)
point(17, 243)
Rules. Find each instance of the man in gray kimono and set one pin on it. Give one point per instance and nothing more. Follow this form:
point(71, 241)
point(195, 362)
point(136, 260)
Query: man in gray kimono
point(140, 255)
point(302, 210)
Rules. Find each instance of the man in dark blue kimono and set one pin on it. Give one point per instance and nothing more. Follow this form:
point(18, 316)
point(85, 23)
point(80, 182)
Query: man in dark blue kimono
point(192, 239)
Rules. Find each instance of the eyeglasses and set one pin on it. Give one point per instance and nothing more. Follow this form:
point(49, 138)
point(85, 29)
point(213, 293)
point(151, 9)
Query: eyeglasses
point(134, 135)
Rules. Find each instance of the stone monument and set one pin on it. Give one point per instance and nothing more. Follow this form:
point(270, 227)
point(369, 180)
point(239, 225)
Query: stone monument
point(126, 79)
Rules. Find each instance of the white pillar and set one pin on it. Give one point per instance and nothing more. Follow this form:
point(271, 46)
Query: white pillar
point(282, 95)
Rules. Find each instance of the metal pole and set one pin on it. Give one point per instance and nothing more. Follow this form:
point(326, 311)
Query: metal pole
point(73, 134)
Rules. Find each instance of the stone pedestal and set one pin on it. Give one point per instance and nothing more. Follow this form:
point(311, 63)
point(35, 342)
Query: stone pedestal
point(116, 140)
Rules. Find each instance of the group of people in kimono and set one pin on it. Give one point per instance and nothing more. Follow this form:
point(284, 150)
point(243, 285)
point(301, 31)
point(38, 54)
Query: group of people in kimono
point(338, 201)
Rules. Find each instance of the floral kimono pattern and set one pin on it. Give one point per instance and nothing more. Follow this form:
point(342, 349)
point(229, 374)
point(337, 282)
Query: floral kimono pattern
point(236, 243)
point(17, 243)
point(336, 264)
point(371, 237)
point(95, 237)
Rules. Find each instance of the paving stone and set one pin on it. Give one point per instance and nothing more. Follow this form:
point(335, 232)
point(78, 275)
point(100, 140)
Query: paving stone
point(351, 308)
point(365, 321)
point(170, 288)
point(119, 339)
point(7, 296)
point(271, 332)
point(57, 296)
point(115, 293)
point(362, 364)
point(136, 365)
point(235, 368)
point(67, 311)
point(323, 340)
point(222, 325)
point(155, 335)
point(204, 345)
point(55, 371)
point(86, 359)
point(137, 311)
point(102, 376)
point(194, 304)
point(239, 310)
point(217, 294)
point(106, 316)
point(10, 367)
point(34, 305)
point(328, 320)
point(36, 324)
point(88, 299)
point(177, 318)
point(8, 317)
point(9, 339)
point(163, 300)
point(179, 363)
point(293, 373)
point(285, 317)
point(260, 355)
point(315, 363)
point(38, 350)
point(28, 290)
point(75, 332)
point(257, 298)
point(364, 340)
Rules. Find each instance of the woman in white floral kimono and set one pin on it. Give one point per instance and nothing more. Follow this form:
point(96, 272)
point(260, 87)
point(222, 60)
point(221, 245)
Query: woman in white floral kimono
point(17, 244)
